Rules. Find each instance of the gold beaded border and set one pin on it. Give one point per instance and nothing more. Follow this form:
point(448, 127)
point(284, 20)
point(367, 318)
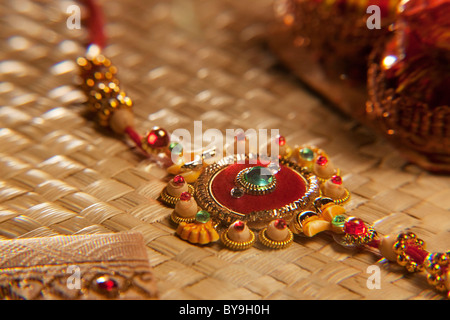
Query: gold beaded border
point(235, 245)
point(177, 219)
point(275, 244)
point(250, 188)
point(171, 200)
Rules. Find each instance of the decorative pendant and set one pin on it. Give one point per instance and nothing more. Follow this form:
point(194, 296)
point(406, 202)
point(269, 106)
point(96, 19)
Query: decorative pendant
point(299, 194)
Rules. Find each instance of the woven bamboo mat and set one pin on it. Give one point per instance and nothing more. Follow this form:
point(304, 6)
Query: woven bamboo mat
point(181, 61)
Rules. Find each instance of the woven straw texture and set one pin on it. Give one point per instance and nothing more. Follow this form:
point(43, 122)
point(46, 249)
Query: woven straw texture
point(180, 61)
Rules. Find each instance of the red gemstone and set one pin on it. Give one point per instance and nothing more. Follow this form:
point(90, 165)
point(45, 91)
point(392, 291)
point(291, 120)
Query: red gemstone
point(106, 284)
point(158, 138)
point(239, 226)
point(321, 160)
point(336, 180)
point(281, 141)
point(355, 227)
point(280, 224)
point(178, 180)
point(185, 196)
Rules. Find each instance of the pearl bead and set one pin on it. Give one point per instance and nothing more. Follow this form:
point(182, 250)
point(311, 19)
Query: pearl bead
point(186, 209)
point(325, 170)
point(175, 190)
point(276, 234)
point(333, 190)
point(238, 234)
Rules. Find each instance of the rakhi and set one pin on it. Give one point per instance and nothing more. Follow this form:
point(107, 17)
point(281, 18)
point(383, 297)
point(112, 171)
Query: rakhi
point(240, 199)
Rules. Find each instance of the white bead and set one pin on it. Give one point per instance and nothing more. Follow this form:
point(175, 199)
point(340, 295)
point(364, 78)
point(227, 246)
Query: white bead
point(326, 171)
point(239, 236)
point(176, 190)
point(186, 209)
point(275, 234)
point(120, 120)
point(333, 190)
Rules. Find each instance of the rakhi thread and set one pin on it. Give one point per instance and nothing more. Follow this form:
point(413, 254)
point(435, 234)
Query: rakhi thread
point(113, 109)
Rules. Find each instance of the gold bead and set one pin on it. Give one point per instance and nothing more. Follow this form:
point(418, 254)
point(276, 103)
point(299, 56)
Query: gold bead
point(440, 258)
point(420, 268)
point(433, 268)
point(441, 287)
point(420, 243)
point(404, 236)
point(412, 266)
point(433, 279)
point(411, 235)
point(398, 247)
point(82, 62)
point(90, 82)
point(402, 260)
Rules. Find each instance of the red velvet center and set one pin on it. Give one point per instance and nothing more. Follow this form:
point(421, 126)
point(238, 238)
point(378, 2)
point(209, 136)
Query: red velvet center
point(290, 187)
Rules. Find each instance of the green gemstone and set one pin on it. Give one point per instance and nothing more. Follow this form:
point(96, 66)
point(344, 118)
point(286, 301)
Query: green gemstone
point(176, 148)
point(306, 154)
point(202, 216)
point(338, 221)
point(259, 176)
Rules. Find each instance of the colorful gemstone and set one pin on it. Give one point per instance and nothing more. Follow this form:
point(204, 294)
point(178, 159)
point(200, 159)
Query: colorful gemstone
point(355, 227)
point(176, 148)
point(185, 196)
point(158, 138)
point(306, 154)
point(321, 160)
point(202, 216)
point(239, 226)
point(280, 224)
point(259, 176)
point(237, 192)
point(338, 221)
point(106, 284)
point(336, 180)
point(178, 180)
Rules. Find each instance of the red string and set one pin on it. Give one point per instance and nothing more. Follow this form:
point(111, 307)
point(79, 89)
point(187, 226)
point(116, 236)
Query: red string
point(416, 253)
point(95, 23)
point(136, 137)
